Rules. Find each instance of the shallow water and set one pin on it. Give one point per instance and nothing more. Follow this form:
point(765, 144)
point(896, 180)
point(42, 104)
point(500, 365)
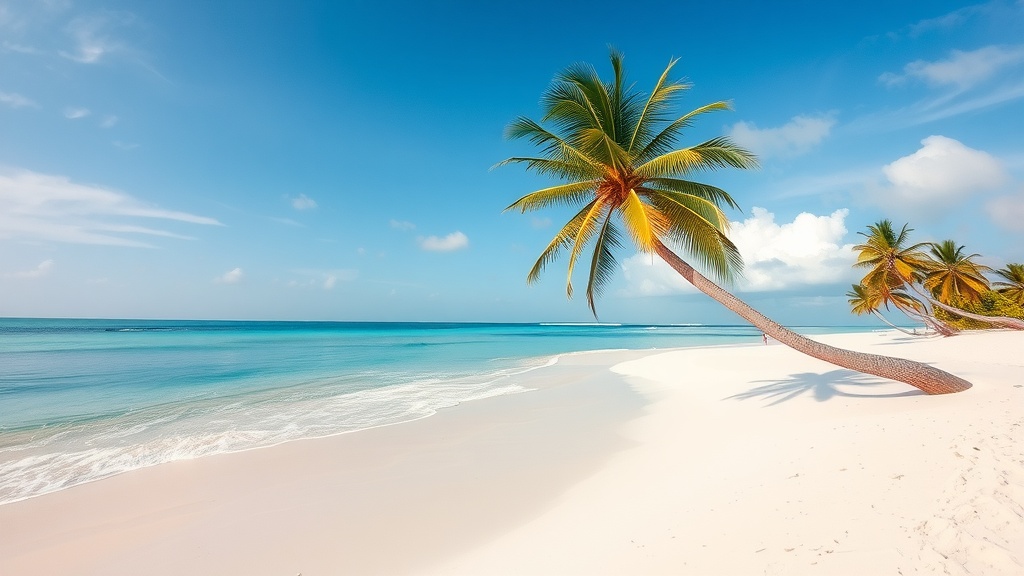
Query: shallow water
point(86, 399)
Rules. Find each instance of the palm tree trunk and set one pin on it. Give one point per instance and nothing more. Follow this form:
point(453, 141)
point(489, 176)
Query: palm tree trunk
point(883, 319)
point(1004, 321)
point(930, 321)
point(927, 378)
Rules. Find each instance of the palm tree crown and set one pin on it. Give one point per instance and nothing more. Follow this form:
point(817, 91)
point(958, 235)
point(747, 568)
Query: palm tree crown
point(891, 262)
point(1013, 288)
point(951, 276)
point(614, 149)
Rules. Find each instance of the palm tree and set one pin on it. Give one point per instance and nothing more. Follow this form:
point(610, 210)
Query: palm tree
point(866, 301)
point(614, 150)
point(1013, 288)
point(953, 277)
point(891, 262)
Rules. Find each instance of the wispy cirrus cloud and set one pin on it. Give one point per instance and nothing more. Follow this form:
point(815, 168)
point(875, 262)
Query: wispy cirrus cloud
point(402, 225)
point(326, 279)
point(92, 39)
point(796, 137)
point(44, 207)
point(15, 100)
point(454, 241)
point(962, 83)
point(74, 113)
point(961, 69)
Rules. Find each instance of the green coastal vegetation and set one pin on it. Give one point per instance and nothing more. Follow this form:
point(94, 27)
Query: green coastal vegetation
point(613, 151)
point(936, 284)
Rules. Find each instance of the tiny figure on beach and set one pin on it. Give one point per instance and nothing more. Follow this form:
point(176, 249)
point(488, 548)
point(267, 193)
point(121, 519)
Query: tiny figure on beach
point(765, 338)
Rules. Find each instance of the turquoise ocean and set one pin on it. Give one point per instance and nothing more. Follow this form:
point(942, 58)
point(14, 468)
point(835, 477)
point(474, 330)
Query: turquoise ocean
point(82, 400)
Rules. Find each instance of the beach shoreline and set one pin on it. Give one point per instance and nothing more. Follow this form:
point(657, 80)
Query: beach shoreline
point(732, 459)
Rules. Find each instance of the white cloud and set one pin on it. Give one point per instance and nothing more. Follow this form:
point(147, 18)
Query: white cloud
point(962, 69)
point(108, 121)
point(798, 136)
point(325, 279)
point(806, 251)
point(454, 241)
point(16, 100)
point(942, 173)
point(303, 202)
point(43, 207)
point(233, 276)
point(1007, 211)
point(42, 269)
point(76, 113)
point(402, 225)
point(91, 39)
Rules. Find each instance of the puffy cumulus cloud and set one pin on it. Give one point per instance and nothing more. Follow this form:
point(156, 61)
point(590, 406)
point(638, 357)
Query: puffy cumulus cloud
point(233, 276)
point(454, 241)
point(806, 251)
point(42, 269)
point(36, 206)
point(402, 225)
point(939, 175)
point(15, 100)
point(796, 137)
point(303, 202)
point(1007, 211)
point(961, 69)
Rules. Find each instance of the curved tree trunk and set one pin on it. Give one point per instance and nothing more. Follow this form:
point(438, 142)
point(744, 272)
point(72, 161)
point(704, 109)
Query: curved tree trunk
point(927, 378)
point(1004, 321)
point(883, 319)
point(930, 321)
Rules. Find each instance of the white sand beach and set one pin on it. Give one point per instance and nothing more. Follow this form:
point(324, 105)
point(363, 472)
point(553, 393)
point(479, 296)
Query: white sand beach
point(724, 460)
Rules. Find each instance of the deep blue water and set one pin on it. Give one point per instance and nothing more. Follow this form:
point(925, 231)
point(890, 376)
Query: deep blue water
point(86, 399)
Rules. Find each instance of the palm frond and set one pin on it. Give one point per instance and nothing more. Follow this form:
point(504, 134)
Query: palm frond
point(561, 240)
point(602, 265)
point(715, 153)
point(657, 102)
point(643, 222)
point(705, 191)
point(565, 170)
point(586, 230)
point(565, 194)
point(665, 140)
point(703, 238)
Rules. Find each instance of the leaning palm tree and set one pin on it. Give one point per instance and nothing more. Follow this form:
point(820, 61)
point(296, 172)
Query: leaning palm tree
point(863, 300)
point(891, 260)
point(1013, 288)
point(614, 149)
point(953, 277)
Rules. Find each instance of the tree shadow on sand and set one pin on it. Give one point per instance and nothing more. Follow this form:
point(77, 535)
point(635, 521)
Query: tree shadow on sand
point(822, 386)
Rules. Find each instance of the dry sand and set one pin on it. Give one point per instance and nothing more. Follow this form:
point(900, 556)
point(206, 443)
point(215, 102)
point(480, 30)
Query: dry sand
point(725, 460)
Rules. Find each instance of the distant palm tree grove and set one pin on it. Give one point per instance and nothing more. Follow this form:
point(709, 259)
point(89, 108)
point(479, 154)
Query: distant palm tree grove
point(614, 151)
point(935, 284)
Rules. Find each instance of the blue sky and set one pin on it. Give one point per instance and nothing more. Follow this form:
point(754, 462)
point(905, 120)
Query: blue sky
point(266, 160)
